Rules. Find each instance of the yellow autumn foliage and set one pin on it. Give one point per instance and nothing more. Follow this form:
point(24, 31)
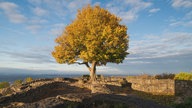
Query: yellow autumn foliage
point(94, 35)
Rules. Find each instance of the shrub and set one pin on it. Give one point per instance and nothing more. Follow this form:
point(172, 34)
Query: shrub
point(17, 82)
point(4, 84)
point(183, 76)
point(165, 76)
point(28, 79)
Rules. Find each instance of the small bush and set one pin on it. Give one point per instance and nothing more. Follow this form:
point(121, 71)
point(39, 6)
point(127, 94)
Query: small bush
point(165, 76)
point(183, 76)
point(17, 82)
point(28, 79)
point(4, 85)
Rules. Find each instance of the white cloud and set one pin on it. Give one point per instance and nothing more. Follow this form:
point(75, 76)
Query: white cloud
point(188, 16)
point(38, 2)
point(57, 29)
point(15, 31)
point(17, 18)
point(110, 69)
point(128, 16)
point(182, 23)
point(182, 3)
point(120, 8)
point(76, 4)
point(185, 21)
point(60, 8)
point(39, 11)
point(8, 6)
point(154, 10)
point(97, 3)
point(166, 45)
point(37, 21)
point(34, 28)
point(138, 61)
point(169, 52)
point(12, 12)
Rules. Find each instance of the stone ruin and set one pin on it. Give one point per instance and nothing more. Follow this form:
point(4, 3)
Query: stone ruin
point(69, 89)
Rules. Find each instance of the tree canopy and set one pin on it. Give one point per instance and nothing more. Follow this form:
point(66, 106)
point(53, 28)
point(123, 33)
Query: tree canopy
point(94, 36)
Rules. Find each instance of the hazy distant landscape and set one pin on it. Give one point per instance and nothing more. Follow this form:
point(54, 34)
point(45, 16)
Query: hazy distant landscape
point(13, 77)
point(13, 74)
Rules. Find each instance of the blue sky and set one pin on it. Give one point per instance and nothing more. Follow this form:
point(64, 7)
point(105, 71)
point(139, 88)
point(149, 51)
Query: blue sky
point(160, 35)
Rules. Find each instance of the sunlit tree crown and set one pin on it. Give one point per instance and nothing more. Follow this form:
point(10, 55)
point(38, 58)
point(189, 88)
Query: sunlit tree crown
point(95, 35)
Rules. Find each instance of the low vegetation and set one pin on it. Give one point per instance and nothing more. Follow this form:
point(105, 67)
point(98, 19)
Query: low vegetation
point(18, 82)
point(179, 76)
point(4, 84)
point(183, 76)
point(28, 79)
point(142, 76)
point(165, 76)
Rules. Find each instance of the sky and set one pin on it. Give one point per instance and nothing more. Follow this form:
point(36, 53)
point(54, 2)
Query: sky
point(160, 35)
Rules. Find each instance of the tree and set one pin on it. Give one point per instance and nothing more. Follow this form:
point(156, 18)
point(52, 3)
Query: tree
point(95, 37)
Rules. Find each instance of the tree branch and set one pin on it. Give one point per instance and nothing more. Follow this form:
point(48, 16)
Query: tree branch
point(86, 64)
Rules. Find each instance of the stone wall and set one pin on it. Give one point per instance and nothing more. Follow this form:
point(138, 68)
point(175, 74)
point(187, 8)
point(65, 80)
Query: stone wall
point(162, 86)
point(154, 86)
point(183, 88)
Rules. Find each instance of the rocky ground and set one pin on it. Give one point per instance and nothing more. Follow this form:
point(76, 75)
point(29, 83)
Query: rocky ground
point(73, 93)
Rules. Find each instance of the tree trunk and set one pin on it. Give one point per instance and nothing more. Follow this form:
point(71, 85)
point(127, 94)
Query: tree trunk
point(93, 72)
